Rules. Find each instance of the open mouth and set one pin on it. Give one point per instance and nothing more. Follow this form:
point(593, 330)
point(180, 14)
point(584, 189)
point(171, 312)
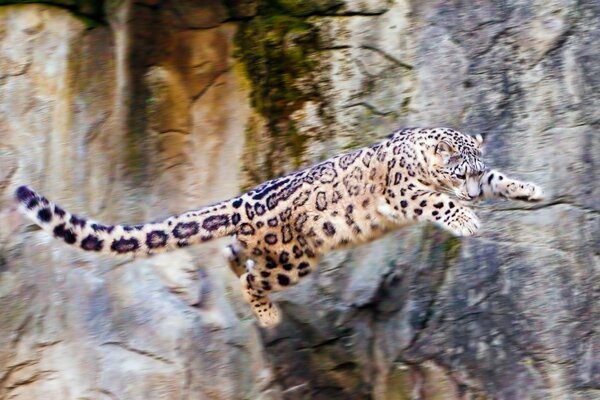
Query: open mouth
point(470, 190)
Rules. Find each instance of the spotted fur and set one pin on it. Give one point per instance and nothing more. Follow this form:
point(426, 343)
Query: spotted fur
point(283, 226)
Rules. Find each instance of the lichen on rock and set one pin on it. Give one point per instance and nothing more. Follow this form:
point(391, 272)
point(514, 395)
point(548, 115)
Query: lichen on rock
point(278, 48)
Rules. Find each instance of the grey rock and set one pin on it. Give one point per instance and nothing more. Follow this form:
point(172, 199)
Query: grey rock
point(150, 114)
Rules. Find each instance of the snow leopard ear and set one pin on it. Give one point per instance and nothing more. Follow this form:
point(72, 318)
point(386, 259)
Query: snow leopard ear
point(480, 144)
point(479, 139)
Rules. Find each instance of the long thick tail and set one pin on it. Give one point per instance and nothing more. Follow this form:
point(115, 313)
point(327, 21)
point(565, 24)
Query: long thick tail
point(177, 231)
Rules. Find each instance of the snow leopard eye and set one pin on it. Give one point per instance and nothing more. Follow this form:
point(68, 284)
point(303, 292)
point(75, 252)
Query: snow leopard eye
point(454, 159)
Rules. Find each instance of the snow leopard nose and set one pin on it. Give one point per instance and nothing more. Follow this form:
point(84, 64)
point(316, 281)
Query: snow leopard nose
point(473, 186)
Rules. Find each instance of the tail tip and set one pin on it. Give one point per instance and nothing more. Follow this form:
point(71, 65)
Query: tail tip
point(24, 194)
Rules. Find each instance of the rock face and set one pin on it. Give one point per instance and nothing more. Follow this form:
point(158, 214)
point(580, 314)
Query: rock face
point(130, 111)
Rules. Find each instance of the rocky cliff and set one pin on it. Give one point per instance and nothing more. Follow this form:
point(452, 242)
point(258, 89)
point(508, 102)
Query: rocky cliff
point(128, 111)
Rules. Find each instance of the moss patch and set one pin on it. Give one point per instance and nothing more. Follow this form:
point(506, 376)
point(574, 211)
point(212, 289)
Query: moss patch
point(277, 48)
point(308, 7)
point(440, 246)
point(452, 248)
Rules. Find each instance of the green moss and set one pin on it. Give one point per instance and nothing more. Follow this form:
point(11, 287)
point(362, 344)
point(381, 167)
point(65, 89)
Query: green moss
point(308, 7)
point(405, 107)
point(452, 248)
point(440, 246)
point(398, 384)
point(275, 49)
point(278, 50)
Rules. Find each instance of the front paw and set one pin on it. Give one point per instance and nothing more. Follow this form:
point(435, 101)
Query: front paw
point(529, 192)
point(463, 223)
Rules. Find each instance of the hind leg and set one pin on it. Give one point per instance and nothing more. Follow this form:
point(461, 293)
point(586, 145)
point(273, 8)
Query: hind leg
point(267, 313)
point(236, 257)
point(270, 275)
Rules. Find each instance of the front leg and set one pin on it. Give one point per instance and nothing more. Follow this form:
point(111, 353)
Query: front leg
point(494, 184)
point(428, 206)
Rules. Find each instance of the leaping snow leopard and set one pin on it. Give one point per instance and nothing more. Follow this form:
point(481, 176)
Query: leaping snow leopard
point(285, 225)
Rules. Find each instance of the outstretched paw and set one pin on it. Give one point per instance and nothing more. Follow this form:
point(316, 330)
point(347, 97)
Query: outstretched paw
point(463, 223)
point(530, 192)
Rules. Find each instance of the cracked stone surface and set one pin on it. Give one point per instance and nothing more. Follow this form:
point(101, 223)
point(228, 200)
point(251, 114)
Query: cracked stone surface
point(149, 113)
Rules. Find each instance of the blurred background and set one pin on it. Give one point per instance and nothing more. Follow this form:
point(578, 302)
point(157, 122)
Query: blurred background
point(128, 111)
